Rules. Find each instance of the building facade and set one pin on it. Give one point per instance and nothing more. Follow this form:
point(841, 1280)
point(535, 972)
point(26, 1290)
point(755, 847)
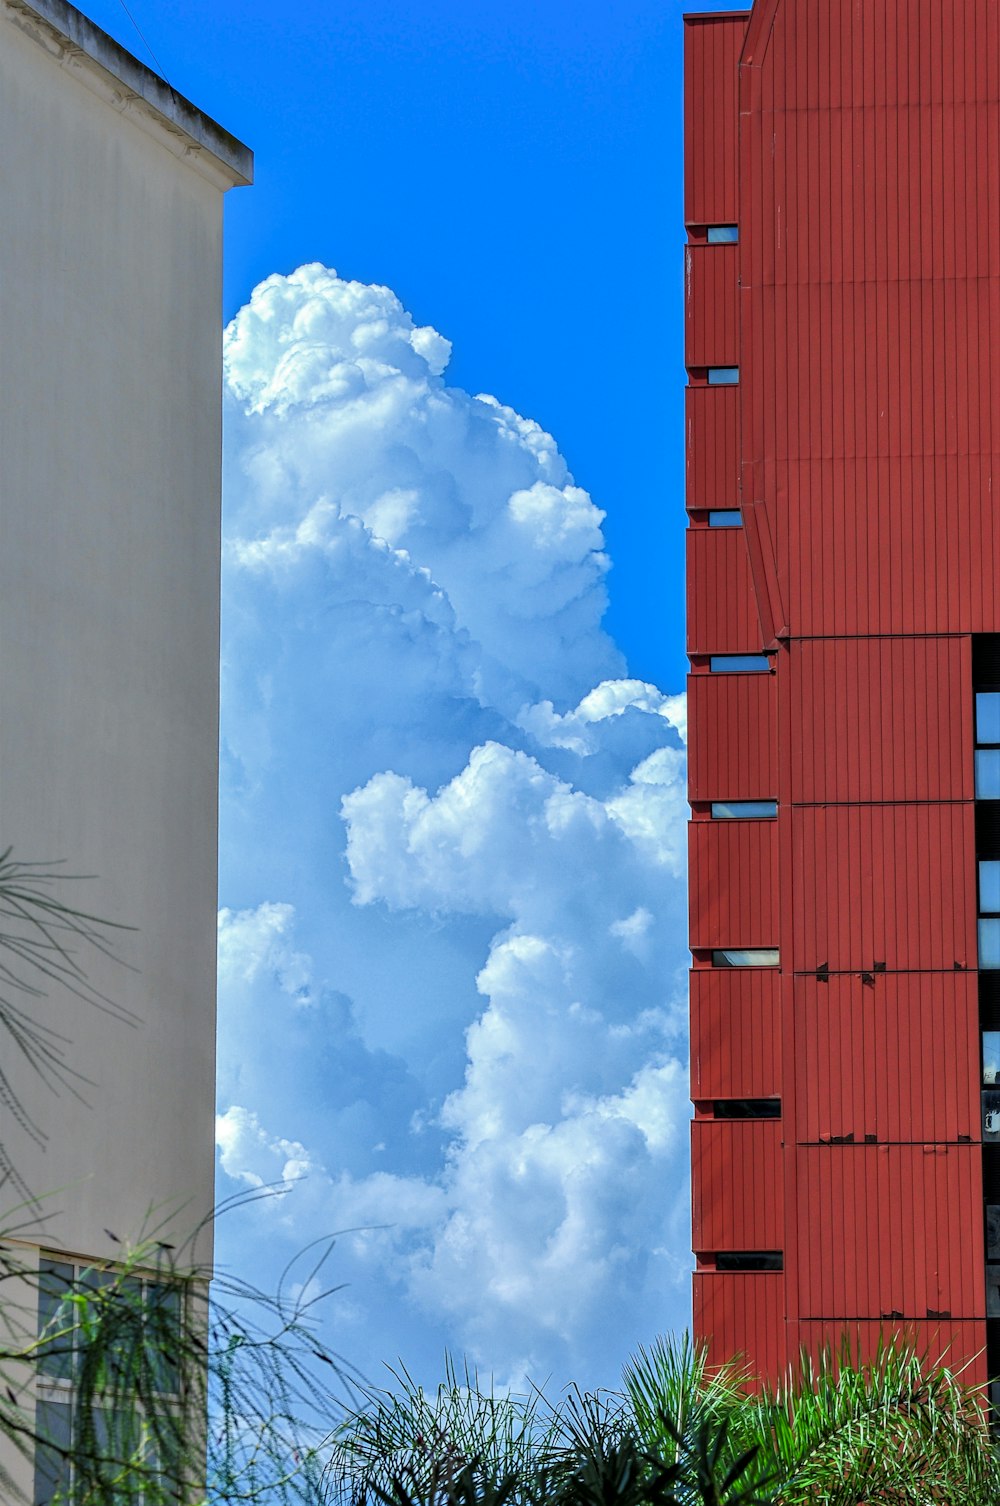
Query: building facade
point(110, 461)
point(843, 489)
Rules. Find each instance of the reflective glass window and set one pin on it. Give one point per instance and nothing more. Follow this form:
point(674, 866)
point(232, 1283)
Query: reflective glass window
point(989, 888)
point(53, 1421)
point(736, 810)
point(725, 517)
point(991, 1115)
point(991, 1057)
point(988, 773)
point(56, 1317)
point(723, 235)
point(760, 956)
point(723, 376)
point(988, 716)
point(740, 663)
point(993, 1291)
point(989, 943)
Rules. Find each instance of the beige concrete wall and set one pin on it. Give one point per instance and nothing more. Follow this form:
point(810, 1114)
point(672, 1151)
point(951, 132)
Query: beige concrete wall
point(110, 249)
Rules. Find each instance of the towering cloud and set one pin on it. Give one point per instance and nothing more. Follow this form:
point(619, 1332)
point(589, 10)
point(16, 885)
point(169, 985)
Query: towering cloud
point(453, 945)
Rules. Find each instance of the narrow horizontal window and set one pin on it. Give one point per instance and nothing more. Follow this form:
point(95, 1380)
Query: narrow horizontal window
point(755, 956)
point(747, 1108)
point(988, 716)
point(743, 810)
point(991, 1057)
point(749, 1260)
point(988, 773)
point(989, 943)
point(725, 517)
point(723, 235)
point(989, 887)
point(723, 376)
point(739, 663)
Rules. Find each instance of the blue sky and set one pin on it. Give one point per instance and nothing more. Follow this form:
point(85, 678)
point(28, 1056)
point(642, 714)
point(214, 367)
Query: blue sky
point(452, 817)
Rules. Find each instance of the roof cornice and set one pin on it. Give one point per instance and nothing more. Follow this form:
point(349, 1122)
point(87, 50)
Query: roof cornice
point(131, 88)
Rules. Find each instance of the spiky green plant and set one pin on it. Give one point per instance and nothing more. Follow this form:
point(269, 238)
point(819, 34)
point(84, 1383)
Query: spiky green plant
point(894, 1430)
point(408, 1444)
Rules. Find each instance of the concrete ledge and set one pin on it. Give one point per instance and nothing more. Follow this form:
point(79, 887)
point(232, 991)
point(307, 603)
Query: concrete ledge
point(67, 30)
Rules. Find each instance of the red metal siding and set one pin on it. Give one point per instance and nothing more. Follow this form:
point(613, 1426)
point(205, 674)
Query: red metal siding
point(880, 719)
point(735, 1034)
point(863, 447)
point(883, 883)
point(870, 311)
point(711, 302)
point(722, 610)
point(712, 425)
point(739, 1313)
point(711, 118)
point(738, 1194)
point(905, 1226)
point(732, 738)
point(897, 1059)
point(733, 883)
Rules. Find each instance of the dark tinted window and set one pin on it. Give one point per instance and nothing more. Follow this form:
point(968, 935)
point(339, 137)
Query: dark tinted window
point(749, 1260)
point(747, 1108)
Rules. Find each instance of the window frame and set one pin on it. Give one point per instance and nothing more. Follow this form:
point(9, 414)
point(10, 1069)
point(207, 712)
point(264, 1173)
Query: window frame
point(57, 1389)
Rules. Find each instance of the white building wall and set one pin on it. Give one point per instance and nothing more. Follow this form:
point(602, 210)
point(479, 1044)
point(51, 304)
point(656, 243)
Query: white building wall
point(110, 267)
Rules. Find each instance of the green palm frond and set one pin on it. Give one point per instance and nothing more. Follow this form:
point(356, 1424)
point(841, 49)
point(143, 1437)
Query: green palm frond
point(894, 1430)
point(409, 1443)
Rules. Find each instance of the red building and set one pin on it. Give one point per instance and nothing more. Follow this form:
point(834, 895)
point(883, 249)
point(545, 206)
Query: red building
point(842, 205)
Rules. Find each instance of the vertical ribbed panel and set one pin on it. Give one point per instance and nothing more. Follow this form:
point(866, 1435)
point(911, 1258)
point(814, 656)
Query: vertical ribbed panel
point(735, 1034)
point(742, 1313)
point(897, 1058)
point(711, 306)
point(712, 450)
point(732, 753)
point(906, 1226)
point(712, 48)
point(883, 883)
point(871, 312)
point(722, 613)
point(737, 1200)
point(956, 1344)
point(880, 719)
point(894, 559)
point(868, 429)
point(733, 883)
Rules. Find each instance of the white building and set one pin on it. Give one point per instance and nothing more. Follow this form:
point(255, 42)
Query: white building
point(111, 188)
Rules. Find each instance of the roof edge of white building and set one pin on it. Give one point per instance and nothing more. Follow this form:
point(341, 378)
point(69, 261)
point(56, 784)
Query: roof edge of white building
point(102, 62)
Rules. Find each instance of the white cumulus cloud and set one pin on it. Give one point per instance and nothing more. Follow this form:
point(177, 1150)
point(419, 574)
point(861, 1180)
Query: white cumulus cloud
point(452, 949)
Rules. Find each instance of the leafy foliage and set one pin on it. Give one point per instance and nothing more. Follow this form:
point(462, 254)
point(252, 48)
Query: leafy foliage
point(892, 1432)
point(169, 1388)
point(410, 1445)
